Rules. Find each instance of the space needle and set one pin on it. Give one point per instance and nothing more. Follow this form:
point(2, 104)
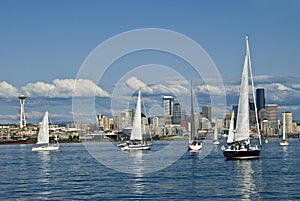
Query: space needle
point(22, 115)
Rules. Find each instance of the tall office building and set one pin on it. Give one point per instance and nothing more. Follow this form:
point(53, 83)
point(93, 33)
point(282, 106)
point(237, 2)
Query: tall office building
point(260, 99)
point(176, 114)
point(168, 102)
point(288, 121)
point(272, 116)
point(206, 109)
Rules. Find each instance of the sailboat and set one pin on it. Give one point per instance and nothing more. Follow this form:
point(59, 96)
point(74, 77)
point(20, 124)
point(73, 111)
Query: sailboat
point(215, 139)
point(136, 137)
point(43, 137)
point(241, 147)
point(194, 144)
point(283, 142)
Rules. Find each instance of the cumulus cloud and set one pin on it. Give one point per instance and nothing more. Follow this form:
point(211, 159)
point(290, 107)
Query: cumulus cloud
point(135, 83)
point(7, 90)
point(64, 88)
point(211, 89)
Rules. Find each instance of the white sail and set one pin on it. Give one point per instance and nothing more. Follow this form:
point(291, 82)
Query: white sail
point(43, 136)
point(191, 136)
point(216, 133)
point(283, 128)
point(136, 133)
point(230, 137)
point(242, 126)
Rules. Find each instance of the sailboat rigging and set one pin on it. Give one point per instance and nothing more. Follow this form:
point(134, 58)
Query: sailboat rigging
point(215, 139)
point(194, 143)
point(241, 147)
point(283, 142)
point(137, 142)
point(43, 137)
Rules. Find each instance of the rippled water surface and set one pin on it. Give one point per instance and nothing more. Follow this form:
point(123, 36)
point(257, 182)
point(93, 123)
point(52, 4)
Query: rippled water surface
point(73, 174)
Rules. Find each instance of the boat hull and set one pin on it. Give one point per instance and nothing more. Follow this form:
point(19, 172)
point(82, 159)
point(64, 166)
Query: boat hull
point(283, 143)
point(124, 144)
point(136, 147)
point(46, 148)
point(8, 142)
point(195, 146)
point(241, 154)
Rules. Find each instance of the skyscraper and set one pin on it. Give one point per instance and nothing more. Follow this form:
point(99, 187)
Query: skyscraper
point(273, 116)
point(176, 114)
point(288, 121)
point(206, 109)
point(168, 102)
point(260, 99)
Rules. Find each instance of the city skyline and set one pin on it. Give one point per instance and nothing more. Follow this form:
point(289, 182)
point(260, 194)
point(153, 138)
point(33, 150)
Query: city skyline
point(44, 44)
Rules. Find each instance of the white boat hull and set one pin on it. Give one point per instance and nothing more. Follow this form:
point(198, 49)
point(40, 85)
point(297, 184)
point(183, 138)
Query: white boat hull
point(122, 144)
point(195, 146)
point(136, 147)
point(216, 143)
point(46, 148)
point(284, 143)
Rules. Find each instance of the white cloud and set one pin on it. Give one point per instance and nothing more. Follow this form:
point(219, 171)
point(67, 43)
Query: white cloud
point(7, 90)
point(211, 90)
point(281, 87)
point(64, 88)
point(135, 83)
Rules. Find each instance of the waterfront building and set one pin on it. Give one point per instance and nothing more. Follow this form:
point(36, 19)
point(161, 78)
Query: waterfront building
point(116, 123)
point(176, 114)
point(272, 117)
point(168, 102)
point(103, 122)
point(227, 120)
point(126, 119)
point(206, 109)
point(260, 99)
point(288, 121)
point(197, 120)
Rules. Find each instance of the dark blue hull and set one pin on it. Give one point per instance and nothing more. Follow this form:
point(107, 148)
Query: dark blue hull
point(241, 154)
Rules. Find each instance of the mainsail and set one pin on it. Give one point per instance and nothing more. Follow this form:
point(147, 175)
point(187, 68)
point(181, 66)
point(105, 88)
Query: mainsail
point(136, 133)
point(43, 136)
point(242, 126)
point(283, 128)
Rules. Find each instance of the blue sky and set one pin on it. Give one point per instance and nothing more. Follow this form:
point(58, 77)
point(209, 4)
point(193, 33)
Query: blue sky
point(42, 41)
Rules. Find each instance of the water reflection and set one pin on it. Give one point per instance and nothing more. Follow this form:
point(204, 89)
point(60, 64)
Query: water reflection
point(138, 171)
point(44, 172)
point(245, 179)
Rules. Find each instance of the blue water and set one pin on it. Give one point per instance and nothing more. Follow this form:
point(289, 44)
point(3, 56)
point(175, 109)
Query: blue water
point(73, 174)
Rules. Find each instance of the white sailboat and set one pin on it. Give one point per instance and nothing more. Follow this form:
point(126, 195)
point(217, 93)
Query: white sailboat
point(241, 147)
point(43, 137)
point(215, 139)
point(194, 144)
point(136, 137)
point(283, 142)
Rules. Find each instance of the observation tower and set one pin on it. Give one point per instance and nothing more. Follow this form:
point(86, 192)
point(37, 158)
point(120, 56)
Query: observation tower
point(22, 115)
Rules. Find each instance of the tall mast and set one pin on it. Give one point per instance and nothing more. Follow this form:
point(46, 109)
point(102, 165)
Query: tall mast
point(253, 92)
point(192, 114)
